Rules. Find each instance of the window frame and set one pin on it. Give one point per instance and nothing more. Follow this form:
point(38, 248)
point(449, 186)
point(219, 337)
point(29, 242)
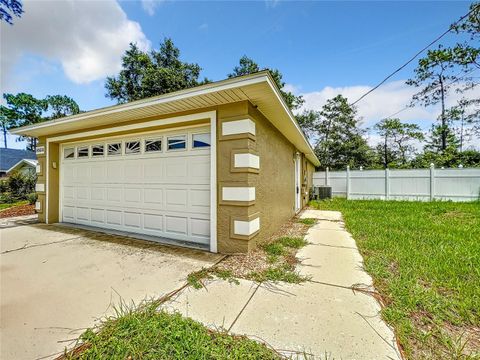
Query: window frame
point(74, 153)
point(94, 156)
point(120, 153)
point(180, 149)
point(132, 153)
point(83, 147)
point(193, 147)
point(153, 139)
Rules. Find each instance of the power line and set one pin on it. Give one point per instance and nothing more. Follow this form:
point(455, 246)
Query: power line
point(433, 89)
point(416, 55)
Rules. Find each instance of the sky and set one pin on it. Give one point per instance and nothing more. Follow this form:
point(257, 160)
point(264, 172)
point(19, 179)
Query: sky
point(322, 48)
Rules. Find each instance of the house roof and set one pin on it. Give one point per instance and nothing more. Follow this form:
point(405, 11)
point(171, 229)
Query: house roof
point(259, 88)
point(28, 162)
point(10, 157)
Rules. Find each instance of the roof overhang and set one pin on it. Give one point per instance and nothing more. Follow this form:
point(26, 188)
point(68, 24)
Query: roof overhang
point(259, 88)
point(30, 162)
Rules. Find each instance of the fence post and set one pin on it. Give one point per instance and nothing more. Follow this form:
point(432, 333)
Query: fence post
point(387, 184)
point(432, 181)
point(348, 182)
point(326, 176)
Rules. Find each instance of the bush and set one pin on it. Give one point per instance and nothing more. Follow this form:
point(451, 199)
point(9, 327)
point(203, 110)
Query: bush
point(7, 197)
point(32, 198)
point(17, 187)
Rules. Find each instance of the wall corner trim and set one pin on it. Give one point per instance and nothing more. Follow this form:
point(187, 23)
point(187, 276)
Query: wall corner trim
point(238, 193)
point(235, 127)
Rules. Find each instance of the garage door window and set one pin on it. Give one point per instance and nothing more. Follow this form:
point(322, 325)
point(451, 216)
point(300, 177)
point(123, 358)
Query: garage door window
point(153, 145)
point(177, 142)
point(200, 140)
point(98, 150)
point(69, 153)
point(82, 151)
point(132, 147)
point(114, 149)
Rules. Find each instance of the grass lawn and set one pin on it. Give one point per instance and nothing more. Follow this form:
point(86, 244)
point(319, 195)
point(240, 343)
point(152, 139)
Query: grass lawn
point(4, 206)
point(425, 262)
point(146, 333)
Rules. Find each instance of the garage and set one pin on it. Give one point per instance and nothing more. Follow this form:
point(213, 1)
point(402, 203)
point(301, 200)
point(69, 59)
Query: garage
point(155, 184)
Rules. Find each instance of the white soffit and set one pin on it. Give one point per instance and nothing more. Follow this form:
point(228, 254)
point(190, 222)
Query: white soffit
point(258, 88)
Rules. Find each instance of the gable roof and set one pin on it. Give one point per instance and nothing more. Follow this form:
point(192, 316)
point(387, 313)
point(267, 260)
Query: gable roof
point(259, 88)
point(10, 157)
point(28, 162)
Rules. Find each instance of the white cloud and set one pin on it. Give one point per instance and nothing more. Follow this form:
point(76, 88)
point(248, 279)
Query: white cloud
point(150, 6)
point(87, 38)
point(383, 102)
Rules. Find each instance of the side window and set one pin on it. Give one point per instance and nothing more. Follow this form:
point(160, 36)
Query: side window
point(153, 145)
point(114, 149)
point(176, 142)
point(201, 140)
point(132, 147)
point(69, 153)
point(82, 151)
point(98, 150)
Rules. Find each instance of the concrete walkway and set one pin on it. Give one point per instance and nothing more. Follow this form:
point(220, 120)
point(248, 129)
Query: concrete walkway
point(323, 317)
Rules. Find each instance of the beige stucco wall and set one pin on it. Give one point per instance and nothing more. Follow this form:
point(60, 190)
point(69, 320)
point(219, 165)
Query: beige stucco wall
point(274, 181)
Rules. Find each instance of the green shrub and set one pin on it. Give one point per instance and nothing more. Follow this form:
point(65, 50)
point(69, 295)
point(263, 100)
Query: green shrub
point(32, 198)
point(7, 198)
point(19, 186)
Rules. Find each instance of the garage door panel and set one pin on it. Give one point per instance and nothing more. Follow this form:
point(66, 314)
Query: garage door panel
point(176, 199)
point(82, 193)
point(114, 217)
point(114, 194)
point(133, 196)
point(97, 216)
point(153, 197)
point(114, 172)
point(164, 194)
point(97, 193)
point(153, 222)
point(133, 219)
point(176, 225)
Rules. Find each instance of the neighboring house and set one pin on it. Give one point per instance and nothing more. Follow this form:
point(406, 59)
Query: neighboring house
point(11, 157)
point(24, 167)
point(220, 166)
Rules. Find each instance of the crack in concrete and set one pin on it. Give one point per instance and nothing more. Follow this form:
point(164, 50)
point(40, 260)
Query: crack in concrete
point(243, 308)
point(24, 247)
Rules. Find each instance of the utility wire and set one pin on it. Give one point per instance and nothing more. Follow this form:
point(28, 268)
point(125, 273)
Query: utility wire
point(448, 84)
point(416, 55)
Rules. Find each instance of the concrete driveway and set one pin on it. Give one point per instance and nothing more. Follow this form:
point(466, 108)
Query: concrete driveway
point(57, 281)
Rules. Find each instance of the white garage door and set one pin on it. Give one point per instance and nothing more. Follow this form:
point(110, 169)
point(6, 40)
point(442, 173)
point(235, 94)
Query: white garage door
point(155, 184)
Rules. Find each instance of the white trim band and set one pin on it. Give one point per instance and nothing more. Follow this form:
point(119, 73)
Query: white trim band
point(246, 160)
point(246, 228)
point(238, 127)
point(39, 187)
point(238, 193)
point(38, 206)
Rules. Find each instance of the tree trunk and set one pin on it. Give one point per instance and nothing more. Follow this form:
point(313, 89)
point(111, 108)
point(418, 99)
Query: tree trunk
point(444, 121)
point(4, 129)
point(385, 152)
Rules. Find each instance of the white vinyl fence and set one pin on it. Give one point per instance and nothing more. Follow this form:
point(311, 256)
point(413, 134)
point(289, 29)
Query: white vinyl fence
point(415, 184)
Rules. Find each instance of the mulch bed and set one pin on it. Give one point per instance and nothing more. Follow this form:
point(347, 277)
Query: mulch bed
point(18, 211)
point(241, 265)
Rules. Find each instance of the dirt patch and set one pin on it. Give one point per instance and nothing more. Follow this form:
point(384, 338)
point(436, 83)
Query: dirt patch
point(18, 211)
point(258, 261)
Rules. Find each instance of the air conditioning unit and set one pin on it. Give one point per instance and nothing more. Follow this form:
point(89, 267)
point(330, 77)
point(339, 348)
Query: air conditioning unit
point(322, 192)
